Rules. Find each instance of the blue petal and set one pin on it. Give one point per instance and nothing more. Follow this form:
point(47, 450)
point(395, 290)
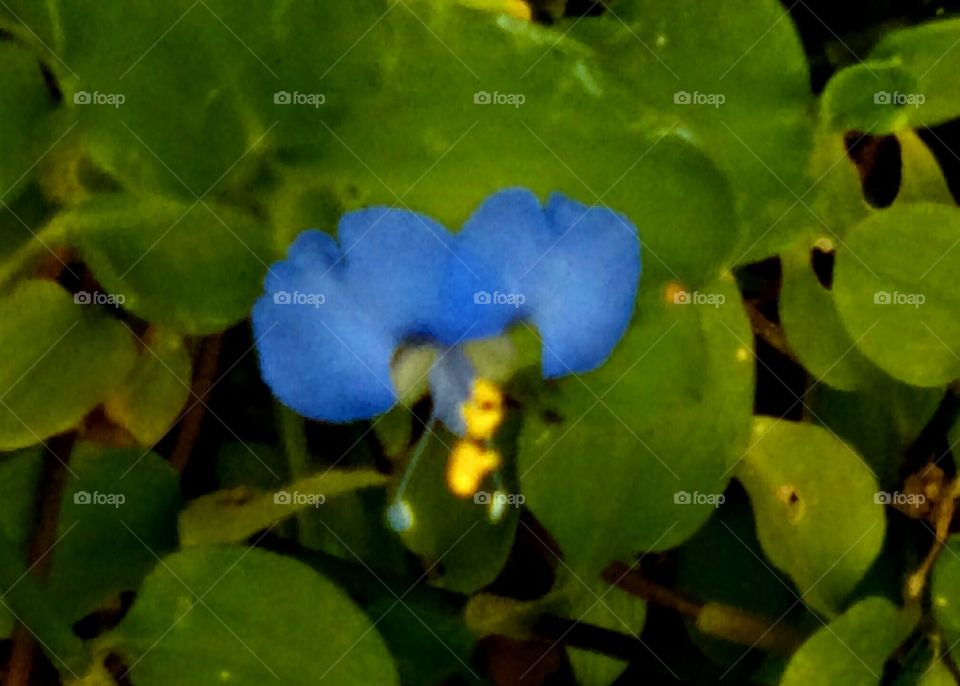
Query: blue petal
point(396, 261)
point(492, 253)
point(585, 286)
point(572, 270)
point(379, 288)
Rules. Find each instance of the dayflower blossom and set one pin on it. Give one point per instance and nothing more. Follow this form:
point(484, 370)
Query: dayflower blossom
point(335, 313)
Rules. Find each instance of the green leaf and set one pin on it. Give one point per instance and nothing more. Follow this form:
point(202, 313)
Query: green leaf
point(635, 455)
point(864, 97)
point(905, 82)
point(945, 592)
point(670, 53)
point(234, 515)
point(459, 533)
point(61, 358)
point(853, 648)
point(938, 675)
point(297, 628)
point(900, 304)
point(193, 268)
point(117, 516)
point(880, 420)
point(156, 93)
point(25, 106)
point(813, 327)
point(815, 508)
point(657, 174)
point(926, 52)
point(923, 665)
point(152, 397)
point(601, 604)
point(429, 651)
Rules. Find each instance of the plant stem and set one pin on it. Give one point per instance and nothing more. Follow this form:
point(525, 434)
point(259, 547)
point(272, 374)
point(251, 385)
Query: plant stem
point(208, 361)
point(294, 438)
point(52, 484)
point(717, 619)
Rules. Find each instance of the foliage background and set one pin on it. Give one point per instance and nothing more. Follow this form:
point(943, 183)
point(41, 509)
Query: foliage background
point(794, 348)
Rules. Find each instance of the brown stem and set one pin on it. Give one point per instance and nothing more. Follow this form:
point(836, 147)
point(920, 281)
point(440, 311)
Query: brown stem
point(634, 583)
point(53, 481)
point(723, 621)
point(208, 362)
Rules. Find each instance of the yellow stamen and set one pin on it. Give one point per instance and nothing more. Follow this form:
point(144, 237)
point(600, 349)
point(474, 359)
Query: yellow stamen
point(483, 412)
point(468, 466)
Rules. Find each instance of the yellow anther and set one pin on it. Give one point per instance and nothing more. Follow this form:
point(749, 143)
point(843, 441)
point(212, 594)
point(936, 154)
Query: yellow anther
point(468, 466)
point(483, 412)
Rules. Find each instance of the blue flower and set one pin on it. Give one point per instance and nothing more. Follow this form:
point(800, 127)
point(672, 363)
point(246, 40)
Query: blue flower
point(335, 314)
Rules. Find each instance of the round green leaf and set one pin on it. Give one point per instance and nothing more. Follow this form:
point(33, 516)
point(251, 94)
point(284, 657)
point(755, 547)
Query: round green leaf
point(816, 509)
point(926, 53)
point(296, 627)
point(119, 511)
point(61, 358)
point(895, 289)
point(153, 95)
point(865, 98)
point(636, 455)
point(194, 268)
point(945, 591)
point(853, 648)
point(24, 105)
point(152, 396)
point(906, 82)
point(738, 81)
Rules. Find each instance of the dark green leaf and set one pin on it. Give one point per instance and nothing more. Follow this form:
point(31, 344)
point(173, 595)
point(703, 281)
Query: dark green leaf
point(296, 627)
